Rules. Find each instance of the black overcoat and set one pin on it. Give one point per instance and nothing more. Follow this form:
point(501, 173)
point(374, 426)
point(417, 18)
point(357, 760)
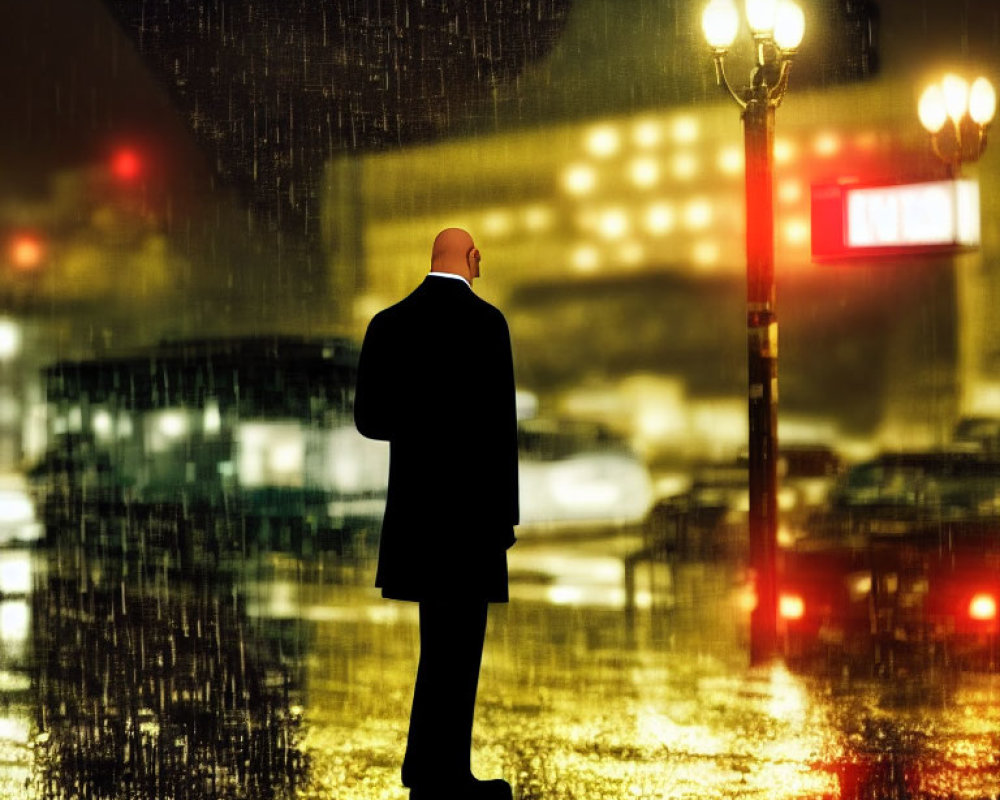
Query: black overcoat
point(436, 380)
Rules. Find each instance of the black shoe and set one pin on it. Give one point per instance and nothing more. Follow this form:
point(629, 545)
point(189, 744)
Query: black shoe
point(472, 789)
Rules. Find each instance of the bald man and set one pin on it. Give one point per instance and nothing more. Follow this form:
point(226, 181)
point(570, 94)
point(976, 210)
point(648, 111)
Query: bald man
point(436, 379)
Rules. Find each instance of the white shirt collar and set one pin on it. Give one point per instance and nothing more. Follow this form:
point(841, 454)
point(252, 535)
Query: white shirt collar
point(450, 275)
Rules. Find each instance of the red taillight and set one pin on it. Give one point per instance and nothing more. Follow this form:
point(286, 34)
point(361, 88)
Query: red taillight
point(791, 606)
point(983, 607)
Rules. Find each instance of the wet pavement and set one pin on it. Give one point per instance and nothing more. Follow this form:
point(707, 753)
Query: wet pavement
point(139, 661)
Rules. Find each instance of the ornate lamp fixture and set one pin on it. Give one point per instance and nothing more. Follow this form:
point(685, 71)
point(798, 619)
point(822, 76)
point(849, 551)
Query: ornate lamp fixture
point(957, 116)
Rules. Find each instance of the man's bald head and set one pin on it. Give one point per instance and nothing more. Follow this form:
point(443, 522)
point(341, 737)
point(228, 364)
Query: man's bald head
point(455, 252)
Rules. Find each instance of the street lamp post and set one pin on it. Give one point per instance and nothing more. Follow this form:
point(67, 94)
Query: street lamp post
point(957, 115)
point(777, 27)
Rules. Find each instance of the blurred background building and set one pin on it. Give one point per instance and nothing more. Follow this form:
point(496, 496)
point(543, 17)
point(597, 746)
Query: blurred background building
point(183, 169)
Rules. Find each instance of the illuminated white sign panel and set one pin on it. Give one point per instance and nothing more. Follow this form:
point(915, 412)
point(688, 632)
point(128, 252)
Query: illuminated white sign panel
point(865, 221)
point(938, 213)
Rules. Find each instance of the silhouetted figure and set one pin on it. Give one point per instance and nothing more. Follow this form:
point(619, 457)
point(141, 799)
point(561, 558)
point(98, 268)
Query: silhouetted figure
point(436, 380)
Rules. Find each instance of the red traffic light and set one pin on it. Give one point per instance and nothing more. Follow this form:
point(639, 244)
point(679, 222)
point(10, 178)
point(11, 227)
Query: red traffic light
point(126, 164)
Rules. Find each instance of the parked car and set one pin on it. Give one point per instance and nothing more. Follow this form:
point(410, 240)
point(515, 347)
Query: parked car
point(903, 568)
point(575, 475)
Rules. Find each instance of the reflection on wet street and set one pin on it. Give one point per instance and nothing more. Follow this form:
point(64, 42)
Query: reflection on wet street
point(146, 655)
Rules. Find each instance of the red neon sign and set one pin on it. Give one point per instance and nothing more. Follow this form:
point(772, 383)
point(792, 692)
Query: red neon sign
point(934, 217)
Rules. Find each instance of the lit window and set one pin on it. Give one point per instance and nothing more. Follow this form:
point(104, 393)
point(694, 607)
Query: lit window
point(632, 253)
point(796, 231)
point(698, 214)
point(784, 151)
point(497, 223)
point(603, 141)
point(685, 130)
point(705, 254)
point(580, 179)
point(102, 424)
point(730, 161)
point(647, 134)
point(645, 172)
point(613, 224)
point(660, 219)
point(685, 166)
point(585, 259)
point(790, 191)
point(826, 144)
point(537, 218)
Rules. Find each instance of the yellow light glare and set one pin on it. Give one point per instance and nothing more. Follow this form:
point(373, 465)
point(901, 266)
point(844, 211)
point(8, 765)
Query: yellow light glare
point(580, 179)
point(982, 101)
point(720, 21)
point(730, 160)
point(685, 130)
point(789, 25)
point(705, 254)
point(784, 151)
point(826, 145)
point(983, 607)
point(697, 214)
point(613, 223)
point(684, 166)
point(790, 191)
point(931, 109)
point(659, 219)
point(585, 258)
point(603, 141)
point(647, 134)
point(632, 253)
point(760, 15)
point(101, 423)
point(537, 218)
point(10, 338)
point(791, 606)
point(796, 232)
point(956, 96)
point(497, 223)
point(645, 172)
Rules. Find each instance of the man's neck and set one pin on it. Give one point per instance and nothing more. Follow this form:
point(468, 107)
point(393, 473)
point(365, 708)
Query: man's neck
point(452, 275)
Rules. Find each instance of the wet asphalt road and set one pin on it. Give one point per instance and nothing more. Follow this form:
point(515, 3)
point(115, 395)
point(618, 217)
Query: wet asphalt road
point(290, 677)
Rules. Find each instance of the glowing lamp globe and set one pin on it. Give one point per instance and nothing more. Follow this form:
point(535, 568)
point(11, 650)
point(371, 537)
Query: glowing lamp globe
point(982, 101)
point(761, 14)
point(956, 96)
point(931, 109)
point(720, 21)
point(789, 25)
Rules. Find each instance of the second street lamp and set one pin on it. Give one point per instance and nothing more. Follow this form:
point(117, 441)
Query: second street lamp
point(777, 27)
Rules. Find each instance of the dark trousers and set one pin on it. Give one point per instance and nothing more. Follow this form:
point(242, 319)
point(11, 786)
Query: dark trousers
point(439, 744)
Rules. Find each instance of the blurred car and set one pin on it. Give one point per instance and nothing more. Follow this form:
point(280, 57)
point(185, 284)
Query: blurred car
point(903, 567)
point(578, 475)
